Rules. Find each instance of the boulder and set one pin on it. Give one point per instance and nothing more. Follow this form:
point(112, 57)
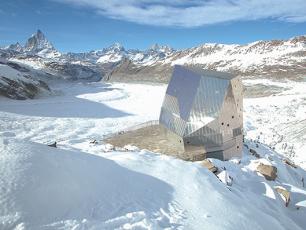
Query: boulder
point(254, 153)
point(285, 195)
point(301, 204)
point(52, 145)
point(289, 162)
point(225, 178)
point(209, 165)
point(268, 171)
point(93, 142)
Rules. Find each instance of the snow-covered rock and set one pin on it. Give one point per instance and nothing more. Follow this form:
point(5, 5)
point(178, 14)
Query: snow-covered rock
point(39, 44)
point(17, 83)
point(225, 178)
point(16, 47)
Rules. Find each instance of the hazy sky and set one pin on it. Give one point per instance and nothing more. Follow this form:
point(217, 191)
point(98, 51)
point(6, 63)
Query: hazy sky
point(82, 25)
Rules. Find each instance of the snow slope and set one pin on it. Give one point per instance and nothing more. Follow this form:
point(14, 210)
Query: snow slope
point(279, 120)
point(85, 186)
point(245, 57)
point(48, 188)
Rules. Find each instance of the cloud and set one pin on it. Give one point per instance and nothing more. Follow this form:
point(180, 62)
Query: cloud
point(193, 13)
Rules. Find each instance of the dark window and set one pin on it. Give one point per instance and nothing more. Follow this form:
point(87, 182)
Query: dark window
point(227, 125)
point(237, 132)
point(237, 146)
point(222, 123)
point(232, 117)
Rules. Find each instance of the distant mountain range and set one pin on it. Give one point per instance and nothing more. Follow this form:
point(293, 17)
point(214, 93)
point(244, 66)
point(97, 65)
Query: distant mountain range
point(276, 58)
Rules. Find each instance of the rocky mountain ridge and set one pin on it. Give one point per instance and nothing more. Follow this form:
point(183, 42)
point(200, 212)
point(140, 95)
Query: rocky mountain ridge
point(268, 59)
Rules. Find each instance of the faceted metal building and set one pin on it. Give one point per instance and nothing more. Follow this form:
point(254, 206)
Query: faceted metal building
point(202, 113)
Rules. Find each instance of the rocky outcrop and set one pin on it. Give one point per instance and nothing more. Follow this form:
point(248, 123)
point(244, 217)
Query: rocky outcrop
point(39, 44)
point(69, 71)
point(284, 194)
point(209, 165)
point(127, 71)
point(289, 162)
point(17, 84)
point(268, 171)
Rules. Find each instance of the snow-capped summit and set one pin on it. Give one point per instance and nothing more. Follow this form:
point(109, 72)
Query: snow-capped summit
point(297, 39)
point(116, 47)
point(15, 47)
point(161, 48)
point(112, 54)
point(39, 44)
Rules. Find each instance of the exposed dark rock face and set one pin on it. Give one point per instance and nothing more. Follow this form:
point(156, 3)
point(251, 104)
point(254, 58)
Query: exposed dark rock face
point(127, 71)
point(17, 83)
point(37, 43)
point(21, 90)
point(70, 71)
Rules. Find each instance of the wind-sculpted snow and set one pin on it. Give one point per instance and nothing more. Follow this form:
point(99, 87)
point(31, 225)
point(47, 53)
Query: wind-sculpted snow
point(83, 185)
point(49, 188)
point(46, 186)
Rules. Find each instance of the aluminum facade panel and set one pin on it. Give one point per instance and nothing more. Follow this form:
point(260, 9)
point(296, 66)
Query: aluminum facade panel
point(183, 85)
point(207, 102)
point(205, 109)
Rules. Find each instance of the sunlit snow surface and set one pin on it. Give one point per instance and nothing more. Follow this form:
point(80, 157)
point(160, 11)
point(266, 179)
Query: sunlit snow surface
point(81, 186)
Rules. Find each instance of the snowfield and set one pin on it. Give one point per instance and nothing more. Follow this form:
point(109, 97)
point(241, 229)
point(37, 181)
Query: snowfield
point(81, 185)
point(279, 120)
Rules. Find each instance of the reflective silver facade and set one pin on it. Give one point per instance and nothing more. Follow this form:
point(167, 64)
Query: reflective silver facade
point(202, 111)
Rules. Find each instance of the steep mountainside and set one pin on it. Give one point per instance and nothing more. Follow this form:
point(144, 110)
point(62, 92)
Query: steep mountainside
point(39, 44)
point(276, 59)
point(17, 83)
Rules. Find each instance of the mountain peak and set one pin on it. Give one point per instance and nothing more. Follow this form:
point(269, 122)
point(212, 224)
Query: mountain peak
point(161, 48)
point(301, 39)
point(116, 47)
point(16, 47)
point(38, 42)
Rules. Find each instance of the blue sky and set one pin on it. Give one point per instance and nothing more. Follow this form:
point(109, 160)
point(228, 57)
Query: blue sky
point(82, 25)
